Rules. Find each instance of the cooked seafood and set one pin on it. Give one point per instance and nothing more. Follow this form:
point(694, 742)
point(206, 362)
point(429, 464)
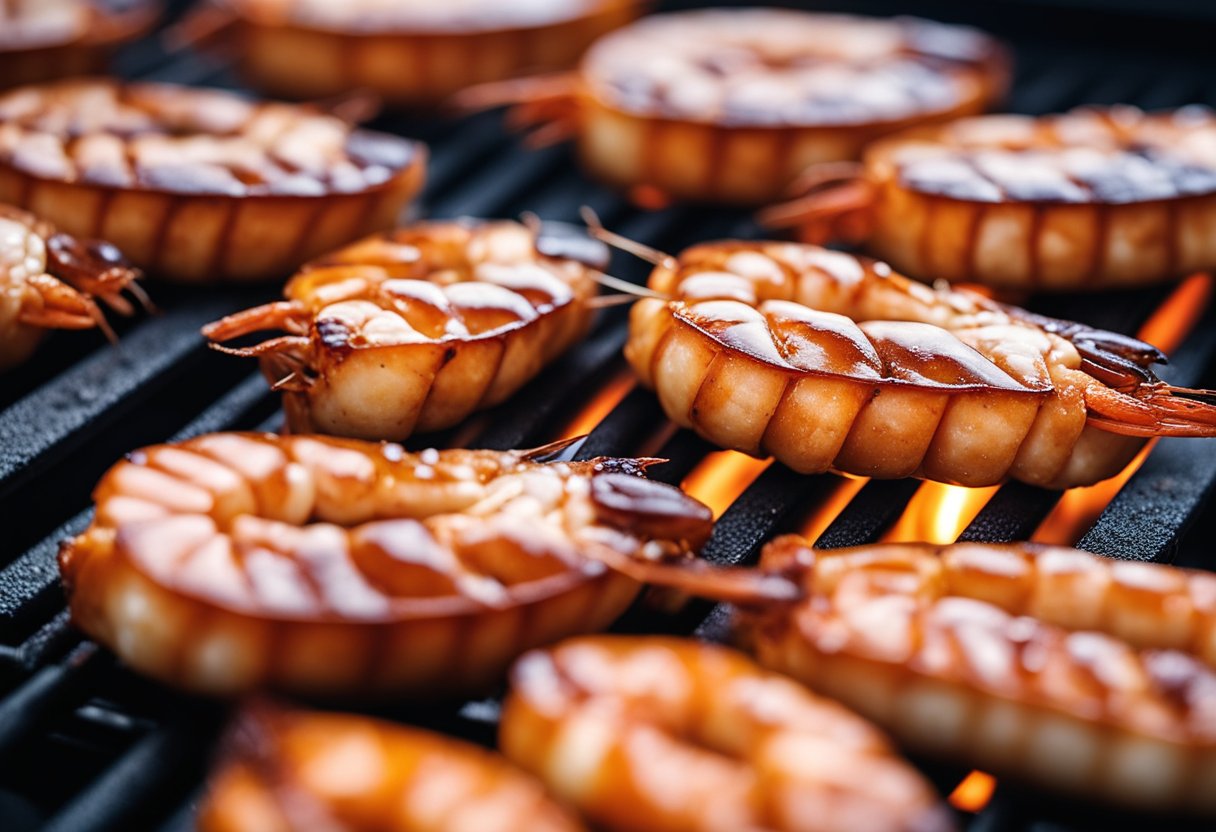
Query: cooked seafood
point(1073, 671)
point(417, 328)
point(291, 770)
point(730, 105)
point(1092, 199)
point(406, 53)
point(829, 361)
point(326, 566)
point(658, 734)
point(199, 185)
point(48, 280)
point(41, 40)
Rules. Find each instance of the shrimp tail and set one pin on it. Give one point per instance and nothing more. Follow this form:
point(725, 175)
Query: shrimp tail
point(1153, 409)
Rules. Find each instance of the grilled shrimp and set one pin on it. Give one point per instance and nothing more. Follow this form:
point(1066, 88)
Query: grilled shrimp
point(1073, 671)
point(829, 361)
point(293, 770)
point(48, 280)
point(324, 566)
point(416, 328)
point(649, 734)
point(200, 185)
point(407, 53)
point(1092, 199)
point(730, 105)
point(41, 40)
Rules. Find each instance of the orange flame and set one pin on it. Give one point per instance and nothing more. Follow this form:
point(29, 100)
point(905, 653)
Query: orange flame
point(592, 413)
point(721, 477)
point(974, 792)
point(827, 511)
point(649, 198)
point(1166, 328)
point(938, 513)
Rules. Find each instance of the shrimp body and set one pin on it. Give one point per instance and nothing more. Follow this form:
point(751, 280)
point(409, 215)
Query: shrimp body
point(1073, 671)
point(41, 40)
point(200, 185)
point(415, 329)
point(50, 280)
point(409, 54)
point(829, 361)
point(658, 734)
point(1091, 199)
point(312, 565)
point(294, 771)
point(730, 105)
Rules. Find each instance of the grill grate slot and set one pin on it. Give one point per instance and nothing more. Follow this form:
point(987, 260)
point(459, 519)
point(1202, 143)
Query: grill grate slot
point(84, 744)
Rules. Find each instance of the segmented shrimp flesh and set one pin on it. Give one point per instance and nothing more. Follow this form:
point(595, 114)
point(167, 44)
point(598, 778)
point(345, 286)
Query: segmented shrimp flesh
point(1092, 199)
point(200, 185)
point(417, 328)
point(48, 280)
point(730, 105)
point(652, 734)
point(1072, 671)
point(829, 361)
point(325, 566)
point(407, 53)
point(41, 40)
point(298, 771)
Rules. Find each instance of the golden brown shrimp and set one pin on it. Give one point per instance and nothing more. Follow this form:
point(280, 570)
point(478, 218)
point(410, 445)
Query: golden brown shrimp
point(730, 105)
point(48, 280)
point(407, 53)
point(1092, 199)
point(415, 329)
point(1073, 671)
point(649, 734)
point(829, 361)
point(299, 771)
point(200, 185)
point(41, 40)
point(314, 565)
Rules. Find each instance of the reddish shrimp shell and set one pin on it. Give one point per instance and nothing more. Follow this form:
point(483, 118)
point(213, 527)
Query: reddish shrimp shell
point(42, 40)
point(200, 185)
point(323, 566)
point(650, 734)
point(1075, 672)
point(828, 361)
point(1092, 199)
point(730, 105)
point(50, 280)
point(415, 329)
point(408, 54)
point(293, 770)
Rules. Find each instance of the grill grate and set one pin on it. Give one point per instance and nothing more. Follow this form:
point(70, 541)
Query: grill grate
point(84, 744)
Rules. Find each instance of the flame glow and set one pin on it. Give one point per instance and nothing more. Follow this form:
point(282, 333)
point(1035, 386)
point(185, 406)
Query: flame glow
point(938, 513)
point(974, 792)
point(592, 413)
point(649, 198)
point(721, 477)
point(829, 509)
point(1176, 317)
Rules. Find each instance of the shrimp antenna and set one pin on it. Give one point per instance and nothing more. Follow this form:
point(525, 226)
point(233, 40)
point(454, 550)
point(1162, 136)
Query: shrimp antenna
point(639, 250)
point(633, 290)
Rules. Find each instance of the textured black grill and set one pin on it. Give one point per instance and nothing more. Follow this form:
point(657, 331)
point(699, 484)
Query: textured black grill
point(85, 744)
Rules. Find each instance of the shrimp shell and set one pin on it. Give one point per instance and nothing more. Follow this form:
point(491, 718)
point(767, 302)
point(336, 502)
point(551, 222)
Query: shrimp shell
point(42, 40)
point(1091, 199)
point(408, 54)
point(730, 105)
point(1073, 671)
point(829, 361)
point(415, 329)
point(49, 280)
point(288, 770)
point(200, 185)
point(322, 566)
point(658, 734)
